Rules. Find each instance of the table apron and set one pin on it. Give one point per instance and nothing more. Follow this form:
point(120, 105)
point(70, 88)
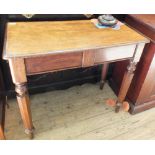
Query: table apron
point(85, 58)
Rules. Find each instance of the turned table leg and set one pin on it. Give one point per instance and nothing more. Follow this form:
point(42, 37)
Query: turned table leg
point(128, 76)
point(103, 74)
point(2, 136)
point(24, 106)
point(18, 73)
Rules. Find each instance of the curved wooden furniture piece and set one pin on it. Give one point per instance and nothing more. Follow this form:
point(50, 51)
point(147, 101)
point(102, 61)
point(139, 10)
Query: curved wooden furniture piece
point(39, 47)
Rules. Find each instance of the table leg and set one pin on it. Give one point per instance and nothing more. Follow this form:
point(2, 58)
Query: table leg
point(103, 74)
point(24, 106)
point(19, 78)
point(2, 136)
point(128, 76)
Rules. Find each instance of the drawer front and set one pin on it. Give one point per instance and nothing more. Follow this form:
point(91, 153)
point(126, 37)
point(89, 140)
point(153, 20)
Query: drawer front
point(114, 53)
point(56, 62)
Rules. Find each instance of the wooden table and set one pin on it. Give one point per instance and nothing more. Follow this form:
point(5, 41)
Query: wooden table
point(39, 47)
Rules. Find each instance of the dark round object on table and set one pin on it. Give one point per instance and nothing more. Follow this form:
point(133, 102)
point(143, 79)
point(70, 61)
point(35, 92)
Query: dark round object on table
point(107, 20)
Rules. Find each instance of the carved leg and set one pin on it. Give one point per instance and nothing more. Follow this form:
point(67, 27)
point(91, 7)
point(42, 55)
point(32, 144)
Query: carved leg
point(18, 72)
point(125, 85)
point(103, 75)
point(2, 136)
point(24, 106)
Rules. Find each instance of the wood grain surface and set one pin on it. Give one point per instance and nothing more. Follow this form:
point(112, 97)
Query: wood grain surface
point(24, 39)
point(53, 63)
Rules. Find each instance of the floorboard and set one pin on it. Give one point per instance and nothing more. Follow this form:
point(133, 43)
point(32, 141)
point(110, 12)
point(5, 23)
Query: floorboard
point(79, 113)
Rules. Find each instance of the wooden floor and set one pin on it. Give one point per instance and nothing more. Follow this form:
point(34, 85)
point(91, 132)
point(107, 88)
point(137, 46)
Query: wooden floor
point(80, 113)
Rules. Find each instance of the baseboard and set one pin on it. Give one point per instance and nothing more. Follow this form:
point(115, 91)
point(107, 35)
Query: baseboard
point(142, 107)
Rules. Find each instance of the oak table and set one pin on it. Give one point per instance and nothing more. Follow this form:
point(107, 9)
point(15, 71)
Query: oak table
point(39, 47)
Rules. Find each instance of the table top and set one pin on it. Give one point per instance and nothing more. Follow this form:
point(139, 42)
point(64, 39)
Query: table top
point(26, 39)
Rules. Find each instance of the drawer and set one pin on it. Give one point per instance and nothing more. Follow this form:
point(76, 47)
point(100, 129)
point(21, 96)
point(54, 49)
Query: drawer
point(36, 65)
point(114, 54)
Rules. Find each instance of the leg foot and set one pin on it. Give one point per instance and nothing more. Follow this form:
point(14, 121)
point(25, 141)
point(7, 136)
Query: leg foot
point(30, 133)
point(102, 84)
point(118, 106)
point(2, 136)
